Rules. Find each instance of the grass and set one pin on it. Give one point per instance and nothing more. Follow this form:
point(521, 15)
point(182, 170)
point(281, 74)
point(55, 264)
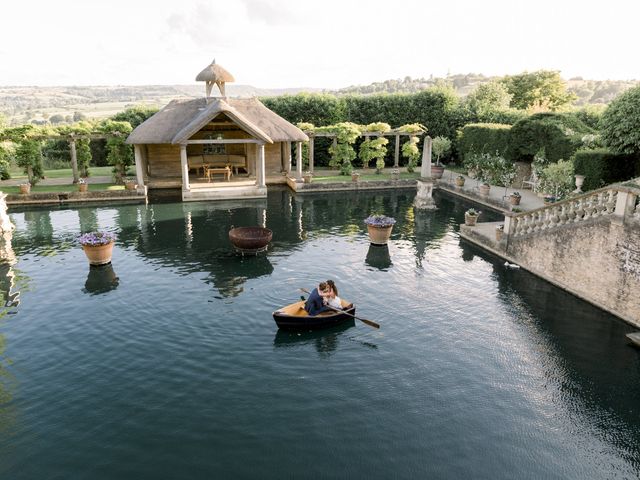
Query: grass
point(17, 173)
point(63, 188)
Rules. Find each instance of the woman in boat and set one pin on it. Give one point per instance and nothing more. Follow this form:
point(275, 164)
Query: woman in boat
point(333, 300)
point(316, 303)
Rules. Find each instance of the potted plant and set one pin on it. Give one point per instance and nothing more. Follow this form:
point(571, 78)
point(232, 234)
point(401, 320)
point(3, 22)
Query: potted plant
point(97, 246)
point(25, 188)
point(395, 174)
point(460, 181)
point(440, 146)
point(499, 232)
point(308, 176)
point(471, 217)
point(129, 184)
point(514, 198)
point(379, 228)
point(355, 176)
point(83, 186)
point(549, 199)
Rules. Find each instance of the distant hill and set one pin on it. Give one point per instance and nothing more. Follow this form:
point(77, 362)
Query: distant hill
point(61, 104)
point(25, 104)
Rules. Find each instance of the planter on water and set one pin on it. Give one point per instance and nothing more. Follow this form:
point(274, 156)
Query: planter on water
point(98, 247)
point(379, 228)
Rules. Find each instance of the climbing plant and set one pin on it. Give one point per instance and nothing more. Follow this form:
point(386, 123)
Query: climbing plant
point(119, 154)
point(411, 152)
point(342, 152)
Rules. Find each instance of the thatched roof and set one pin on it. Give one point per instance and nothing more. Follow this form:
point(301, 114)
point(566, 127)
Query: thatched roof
point(181, 119)
point(214, 73)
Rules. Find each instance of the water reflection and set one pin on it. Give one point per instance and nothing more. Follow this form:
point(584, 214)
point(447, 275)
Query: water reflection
point(378, 257)
point(101, 279)
point(325, 341)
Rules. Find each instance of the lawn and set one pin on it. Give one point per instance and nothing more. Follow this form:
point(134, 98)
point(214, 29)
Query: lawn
point(16, 172)
point(63, 188)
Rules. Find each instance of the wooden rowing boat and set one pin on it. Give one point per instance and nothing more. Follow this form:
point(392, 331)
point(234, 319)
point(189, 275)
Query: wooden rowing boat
point(295, 317)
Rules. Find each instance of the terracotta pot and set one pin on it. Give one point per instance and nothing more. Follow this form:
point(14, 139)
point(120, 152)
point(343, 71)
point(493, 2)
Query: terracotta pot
point(437, 171)
point(484, 189)
point(130, 186)
point(460, 181)
point(499, 234)
point(379, 235)
point(514, 199)
point(25, 188)
point(470, 220)
point(98, 254)
point(308, 178)
point(83, 187)
point(355, 177)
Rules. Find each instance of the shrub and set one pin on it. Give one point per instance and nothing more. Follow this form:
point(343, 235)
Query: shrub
point(441, 147)
point(601, 167)
point(483, 138)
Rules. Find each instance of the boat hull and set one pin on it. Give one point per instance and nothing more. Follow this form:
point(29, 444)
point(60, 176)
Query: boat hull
point(292, 321)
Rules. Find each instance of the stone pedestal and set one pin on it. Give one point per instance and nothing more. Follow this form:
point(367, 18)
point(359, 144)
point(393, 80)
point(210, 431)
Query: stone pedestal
point(424, 197)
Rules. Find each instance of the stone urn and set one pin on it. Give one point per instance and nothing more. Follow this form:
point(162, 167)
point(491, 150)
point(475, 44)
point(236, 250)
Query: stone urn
point(437, 171)
point(25, 188)
point(99, 254)
point(379, 228)
point(395, 174)
point(579, 183)
point(308, 177)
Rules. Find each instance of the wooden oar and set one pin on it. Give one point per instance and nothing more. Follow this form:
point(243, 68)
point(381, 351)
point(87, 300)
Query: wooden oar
point(363, 320)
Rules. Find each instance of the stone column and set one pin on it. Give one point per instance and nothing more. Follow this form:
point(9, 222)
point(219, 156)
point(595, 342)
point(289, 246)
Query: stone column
point(311, 142)
point(625, 205)
point(424, 196)
point(137, 153)
point(287, 157)
point(260, 170)
point(425, 168)
point(396, 158)
point(5, 222)
point(298, 161)
point(184, 167)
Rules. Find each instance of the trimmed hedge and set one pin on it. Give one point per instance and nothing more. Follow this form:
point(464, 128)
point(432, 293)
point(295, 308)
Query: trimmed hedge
point(559, 134)
point(601, 167)
point(483, 138)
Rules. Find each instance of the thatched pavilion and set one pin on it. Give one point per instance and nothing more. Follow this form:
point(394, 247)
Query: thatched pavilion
point(215, 147)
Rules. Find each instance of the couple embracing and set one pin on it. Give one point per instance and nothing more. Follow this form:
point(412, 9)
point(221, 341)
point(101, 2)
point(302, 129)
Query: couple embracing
point(324, 298)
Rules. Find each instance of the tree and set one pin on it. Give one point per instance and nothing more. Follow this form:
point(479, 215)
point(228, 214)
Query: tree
point(79, 116)
point(135, 115)
point(489, 97)
point(620, 123)
point(120, 154)
point(57, 118)
point(543, 90)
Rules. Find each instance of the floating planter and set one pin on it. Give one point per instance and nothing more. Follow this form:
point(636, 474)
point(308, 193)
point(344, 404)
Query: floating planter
point(97, 246)
point(379, 227)
point(250, 239)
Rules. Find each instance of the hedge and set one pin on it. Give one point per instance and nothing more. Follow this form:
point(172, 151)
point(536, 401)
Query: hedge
point(483, 138)
point(601, 167)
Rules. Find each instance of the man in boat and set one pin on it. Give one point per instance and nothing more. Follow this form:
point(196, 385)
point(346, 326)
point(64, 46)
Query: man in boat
point(317, 303)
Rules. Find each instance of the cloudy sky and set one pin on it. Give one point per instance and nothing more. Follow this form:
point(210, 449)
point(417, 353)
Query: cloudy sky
point(321, 43)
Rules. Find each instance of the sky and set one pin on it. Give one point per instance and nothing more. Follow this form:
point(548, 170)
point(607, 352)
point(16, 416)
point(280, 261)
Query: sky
point(321, 44)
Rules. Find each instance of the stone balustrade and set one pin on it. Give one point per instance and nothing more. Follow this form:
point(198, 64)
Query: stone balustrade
point(621, 202)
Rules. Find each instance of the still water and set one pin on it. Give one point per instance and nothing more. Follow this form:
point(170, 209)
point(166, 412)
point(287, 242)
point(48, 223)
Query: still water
point(168, 364)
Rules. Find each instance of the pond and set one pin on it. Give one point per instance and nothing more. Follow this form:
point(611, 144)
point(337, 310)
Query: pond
point(168, 364)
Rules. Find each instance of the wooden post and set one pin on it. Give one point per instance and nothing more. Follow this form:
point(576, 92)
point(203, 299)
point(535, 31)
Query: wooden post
point(184, 167)
point(311, 142)
point(299, 161)
point(74, 160)
point(260, 174)
point(396, 158)
point(137, 154)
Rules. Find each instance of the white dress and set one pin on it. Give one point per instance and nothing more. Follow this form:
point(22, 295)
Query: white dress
point(335, 302)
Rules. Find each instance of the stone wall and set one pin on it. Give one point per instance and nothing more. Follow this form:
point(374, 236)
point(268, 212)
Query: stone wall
point(598, 260)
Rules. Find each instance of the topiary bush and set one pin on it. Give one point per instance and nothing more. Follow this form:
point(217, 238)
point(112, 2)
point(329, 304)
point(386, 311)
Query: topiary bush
point(483, 138)
point(559, 134)
point(601, 167)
